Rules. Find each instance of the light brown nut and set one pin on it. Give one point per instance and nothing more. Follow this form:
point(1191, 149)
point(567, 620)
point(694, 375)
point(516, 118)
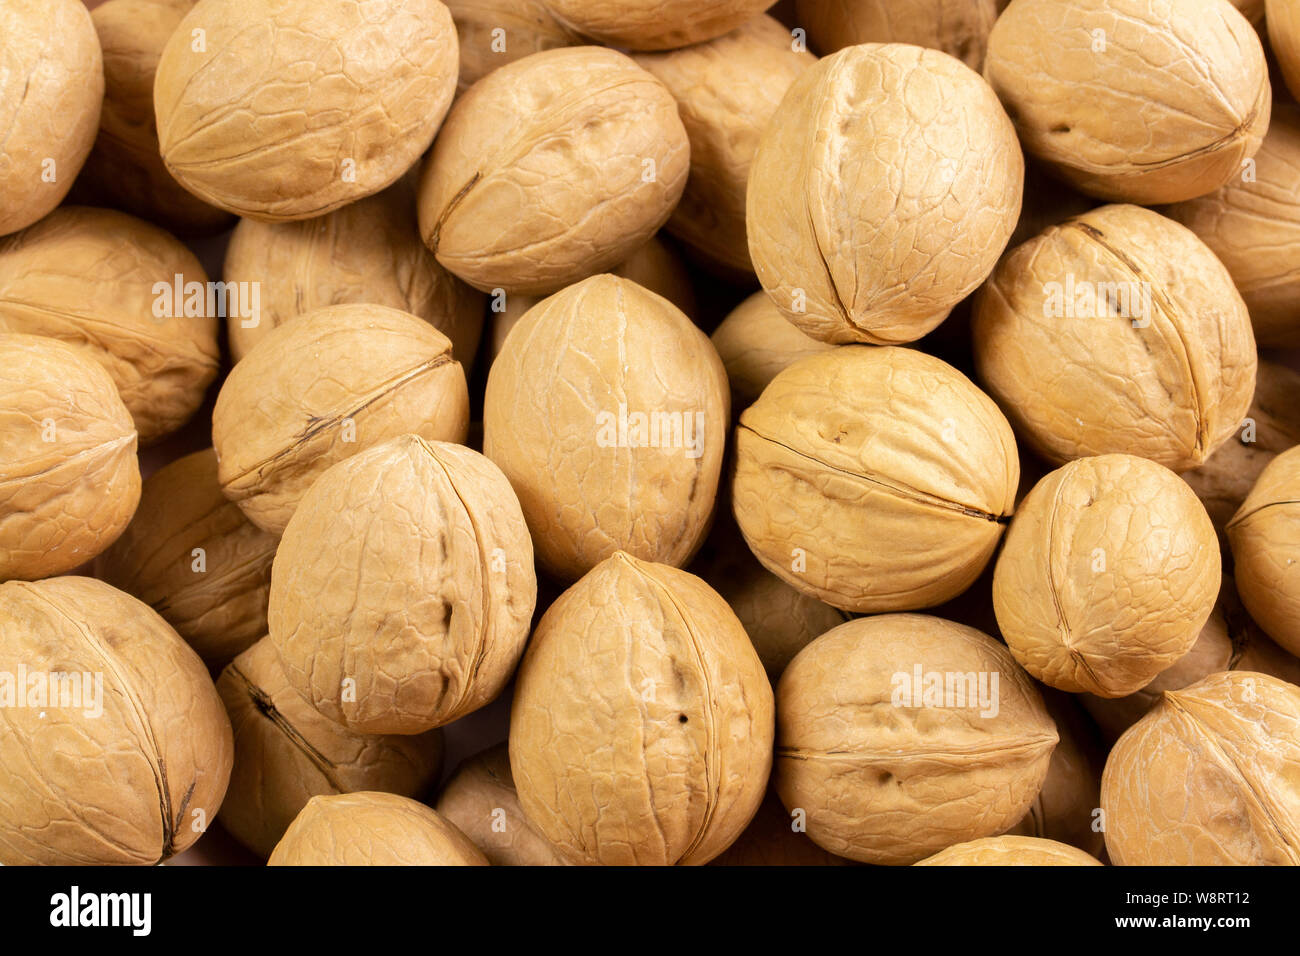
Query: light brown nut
point(403, 589)
point(51, 92)
point(325, 385)
point(1011, 851)
point(726, 91)
point(600, 133)
point(288, 109)
point(883, 191)
point(959, 28)
point(1116, 331)
point(664, 25)
point(480, 799)
point(1177, 94)
point(1284, 37)
point(607, 410)
point(107, 283)
point(946, 739)
point(673, 688)
point(286, 753)
point(1265, 539)
point(191, 555)
point(874, 479)
point(771, 840)
point(69, 479)
point(116, 748)
point(755, 342)
point(372, 829)
point(1108, 574)
point(367, 252)
point(493, 33)
point(1210, 777)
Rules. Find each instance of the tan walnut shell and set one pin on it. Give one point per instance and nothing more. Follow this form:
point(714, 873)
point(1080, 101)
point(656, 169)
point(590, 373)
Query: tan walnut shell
point(664, 25)
point(1283, 20)
point(131, 771)
point(904, 771)
point(771, 840)
point(1265, 539)
point(1210, 777)
point(959, 28)
point(607, 410)
point(1011, 851)
point(1116, 331)
point(755, 342)
point(671, 687)
point(293, 108)
point(286, 753)
point(326, 385)
point(883, 191)
point(372, 829)
point(1138, 101)
point(493, 33)
point(405, 576)
point(874, 479)
point(600, 134)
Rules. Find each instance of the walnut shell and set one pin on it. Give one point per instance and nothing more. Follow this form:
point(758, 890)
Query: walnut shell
point(755, 342)
point(959, 28)
point(191, 555)
point(129, 765)
point(887, 773)
point(1210, 777)
point(874, 479)
point(1177, 94)
point(1011, 851)
point(607, 410)
point(664, 25)
point(601, 133)
point(289, 109)
point(1265, 539)
point(1283, 20)
point(493, 33)
point(771, 840)
point(105, 282)
point(286, 753)
point(672, 688)
point(1116, 331)
point(372, 829)
point(325, 385)
point(406, 577)
point(884, 188)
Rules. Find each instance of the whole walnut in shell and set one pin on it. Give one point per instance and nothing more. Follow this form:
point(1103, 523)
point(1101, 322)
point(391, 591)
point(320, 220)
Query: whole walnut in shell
point(288, 109)
point(755, 342)
point(664, 25)
point(672, 688)
point(883, 191)
point(959, 28)
point(116, 748)
point(1116, 331)
point(326, 385)
point(1283, 19)
point(1265, 539)
point(1011, 851)
point(493, 33)
point(945, 740)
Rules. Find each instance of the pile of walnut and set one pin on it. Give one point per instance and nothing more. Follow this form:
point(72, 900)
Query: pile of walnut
point(971, 536)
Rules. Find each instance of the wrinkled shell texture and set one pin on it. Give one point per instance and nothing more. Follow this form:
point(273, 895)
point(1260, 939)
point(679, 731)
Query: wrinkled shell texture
point(373, 829)
point(601, 133)
point(526, 25)
point(1210, 777)
point(1011, 851)
point(326, 385)
point(1177, 92)
point(672, 684)
point(286, 753)
point(959, 28)
point(883, 191)
point(408, 570)
point(663, 25)
point(216, 599)
point(135, 783)
point(874, 479)
point(575, 367)
point(1116, 331)
point(1283, 18)
point(891, 782)
point(770, 840)
point(1265, 539)
point(51, 92)
point(755, 343)
point(69, 480)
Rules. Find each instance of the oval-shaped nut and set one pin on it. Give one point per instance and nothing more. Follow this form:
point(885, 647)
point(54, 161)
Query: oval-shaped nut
point(69, 479)
point(116, 750)
point(599, 132)
point(1265, 539)
point(883, 191)
point(959, 28)
point(1283, 20)
point(191, 555)
point(325, 385)
point(403, 589)
point(292, 108)
point(874, 479)
point(1177, 93)
point(772, 840)
point(480, 799)
point(51, 92)
point(946, 739)
point(1210, 777)
point(607, 410)
point(130, 295)
point(1011, 851)
point(286, 753)
point(493, 33)
point(1116, 331)
point(372, 829)
point(673, 687)
point(755, 342)
point(664, 25)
